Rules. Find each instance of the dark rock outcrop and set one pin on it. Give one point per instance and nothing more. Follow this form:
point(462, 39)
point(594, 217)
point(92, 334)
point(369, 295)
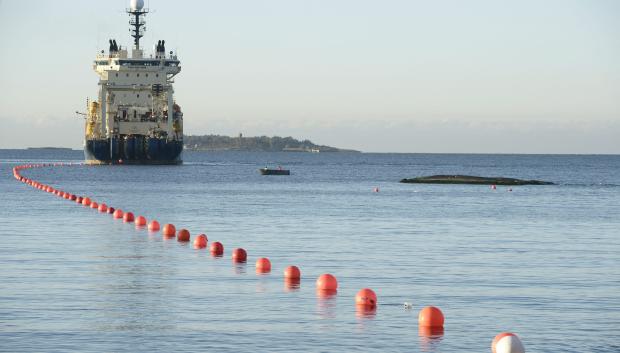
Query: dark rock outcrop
point(476, 180)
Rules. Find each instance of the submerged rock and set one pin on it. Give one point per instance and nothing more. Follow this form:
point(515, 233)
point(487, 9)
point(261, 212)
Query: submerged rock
point(468, 179)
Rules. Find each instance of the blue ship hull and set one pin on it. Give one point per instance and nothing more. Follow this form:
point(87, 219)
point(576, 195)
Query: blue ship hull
point(137, 149)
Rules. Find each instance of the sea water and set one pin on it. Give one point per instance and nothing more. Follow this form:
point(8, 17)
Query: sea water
point(540, 261)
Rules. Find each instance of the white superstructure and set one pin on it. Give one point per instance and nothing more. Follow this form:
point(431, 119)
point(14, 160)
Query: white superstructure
point(137, 92)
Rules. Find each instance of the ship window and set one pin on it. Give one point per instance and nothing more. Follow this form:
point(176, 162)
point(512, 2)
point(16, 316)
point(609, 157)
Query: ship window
point(127, 75)
point(135, 114)
point(137, 96)
point(149, 96)
point(147, 75)
point(137, 75)
point(156, 75)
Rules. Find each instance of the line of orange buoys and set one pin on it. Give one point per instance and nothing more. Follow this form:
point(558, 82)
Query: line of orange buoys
point(430, 318)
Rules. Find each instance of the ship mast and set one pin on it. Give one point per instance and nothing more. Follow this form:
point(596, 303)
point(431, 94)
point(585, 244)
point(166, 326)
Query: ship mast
point(136, 13)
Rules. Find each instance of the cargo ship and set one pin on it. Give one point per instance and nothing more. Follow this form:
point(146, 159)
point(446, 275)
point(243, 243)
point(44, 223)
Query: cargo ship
point(135, 119)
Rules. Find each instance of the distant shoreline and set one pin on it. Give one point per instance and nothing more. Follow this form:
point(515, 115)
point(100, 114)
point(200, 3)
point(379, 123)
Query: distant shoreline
point(50, 148)
point(213, 143)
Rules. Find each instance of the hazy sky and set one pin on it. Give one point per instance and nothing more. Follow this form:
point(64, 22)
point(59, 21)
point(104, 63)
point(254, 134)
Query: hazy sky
point(523, 76)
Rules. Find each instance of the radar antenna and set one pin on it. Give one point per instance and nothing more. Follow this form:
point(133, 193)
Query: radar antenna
point(136, 13)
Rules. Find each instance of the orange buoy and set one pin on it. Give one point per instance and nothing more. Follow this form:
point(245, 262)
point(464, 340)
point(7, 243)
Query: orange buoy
point(430, 317)
point(168, 231)
point(263, 265)
point(111, 210)
point(182, 235)
point(118, 214)
point(507, 342)
point(140, 221)
point(86, 201)
point(128, 217)
point(94, 205)
point(79, 200)
point(375, 189)
point(67, 196)
point(326, 293)
point(200, 242)
point(239, 255)
point(103, 208)
point(216, 248)
point(292, 284)
point(292, 272)
point(430, 332)
point(366, 297)
point(327, 281)
point(154, 226)
point(365, 312)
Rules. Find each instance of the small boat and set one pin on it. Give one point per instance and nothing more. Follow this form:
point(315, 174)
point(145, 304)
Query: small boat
point(279, 171)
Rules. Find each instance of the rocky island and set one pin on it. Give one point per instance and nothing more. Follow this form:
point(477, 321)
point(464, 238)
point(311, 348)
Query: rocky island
point(468, 179)
point(254, 144)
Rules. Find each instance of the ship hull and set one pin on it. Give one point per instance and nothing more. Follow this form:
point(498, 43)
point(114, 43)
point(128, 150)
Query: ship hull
point(137, 149)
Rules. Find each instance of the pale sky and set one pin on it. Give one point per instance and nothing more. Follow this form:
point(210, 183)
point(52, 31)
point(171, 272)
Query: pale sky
point(481, 76)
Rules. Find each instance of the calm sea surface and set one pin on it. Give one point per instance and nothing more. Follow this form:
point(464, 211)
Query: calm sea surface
point(540, 261)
